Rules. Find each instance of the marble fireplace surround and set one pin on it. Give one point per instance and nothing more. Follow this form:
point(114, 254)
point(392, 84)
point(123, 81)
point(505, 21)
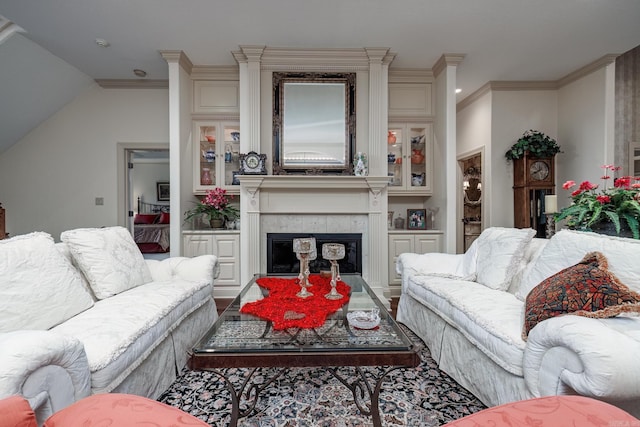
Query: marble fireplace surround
point(315, 204)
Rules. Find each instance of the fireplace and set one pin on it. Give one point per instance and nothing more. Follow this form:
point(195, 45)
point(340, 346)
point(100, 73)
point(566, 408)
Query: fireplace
point(282, 260)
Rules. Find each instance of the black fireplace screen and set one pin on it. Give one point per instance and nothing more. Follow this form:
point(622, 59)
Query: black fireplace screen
point(282, 260)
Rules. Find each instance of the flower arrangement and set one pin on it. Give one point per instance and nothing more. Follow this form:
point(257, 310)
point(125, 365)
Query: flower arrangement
point(612, 204)
point(215, 205)
point(536, 143)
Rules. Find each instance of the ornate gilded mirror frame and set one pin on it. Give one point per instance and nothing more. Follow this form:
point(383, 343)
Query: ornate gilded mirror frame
point(314, 122)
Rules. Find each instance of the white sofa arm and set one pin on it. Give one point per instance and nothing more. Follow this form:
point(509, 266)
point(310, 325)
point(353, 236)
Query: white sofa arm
point(593, 357)
point(197, 269)
point(49, 369)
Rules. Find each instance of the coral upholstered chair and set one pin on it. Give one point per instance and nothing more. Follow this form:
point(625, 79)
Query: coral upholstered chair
point(121, 410)
point(551, 411)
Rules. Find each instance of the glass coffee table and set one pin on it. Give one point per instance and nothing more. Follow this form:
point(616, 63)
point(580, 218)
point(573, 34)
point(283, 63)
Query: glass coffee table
point(238, 340)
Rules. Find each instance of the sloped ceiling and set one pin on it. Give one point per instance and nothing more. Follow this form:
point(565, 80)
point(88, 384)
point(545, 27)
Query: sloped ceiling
point(34, 85)
point(501, 39)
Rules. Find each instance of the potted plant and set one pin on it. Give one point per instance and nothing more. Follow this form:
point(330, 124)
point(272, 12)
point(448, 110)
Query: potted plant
point(216, 206)
point(536, 143)
point(616, 207)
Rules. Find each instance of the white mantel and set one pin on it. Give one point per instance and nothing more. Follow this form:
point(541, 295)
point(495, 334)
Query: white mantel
point(316, 196)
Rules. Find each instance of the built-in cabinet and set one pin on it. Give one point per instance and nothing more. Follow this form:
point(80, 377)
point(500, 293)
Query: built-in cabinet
point(412, 242)
point(224, 244)
point(215, 155)
point(409, 159)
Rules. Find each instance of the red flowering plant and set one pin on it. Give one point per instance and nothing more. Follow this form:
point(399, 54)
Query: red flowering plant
point(216, 204)
point(613, 203)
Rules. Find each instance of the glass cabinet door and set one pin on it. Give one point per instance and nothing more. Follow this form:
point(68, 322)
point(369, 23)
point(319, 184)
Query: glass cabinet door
point(216, 156)
point(231, 154)
point(395, 157)
point(409, 159)
point(206, 174)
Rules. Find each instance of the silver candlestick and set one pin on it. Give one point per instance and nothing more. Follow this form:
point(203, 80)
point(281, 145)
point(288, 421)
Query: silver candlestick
point(305, 249)
point(551, 225)
point(333, 252)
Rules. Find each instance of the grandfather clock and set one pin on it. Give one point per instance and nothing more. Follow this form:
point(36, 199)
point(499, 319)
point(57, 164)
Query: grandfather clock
point(533, 178)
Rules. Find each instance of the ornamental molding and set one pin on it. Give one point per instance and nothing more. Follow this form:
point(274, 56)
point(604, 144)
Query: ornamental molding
point(516, 85)
point(132, 84)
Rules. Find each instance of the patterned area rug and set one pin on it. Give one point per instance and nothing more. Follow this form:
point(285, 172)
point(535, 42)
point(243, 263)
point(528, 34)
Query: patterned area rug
point(304, 397)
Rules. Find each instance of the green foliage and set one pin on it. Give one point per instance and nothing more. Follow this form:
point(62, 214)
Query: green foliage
point(536, 143)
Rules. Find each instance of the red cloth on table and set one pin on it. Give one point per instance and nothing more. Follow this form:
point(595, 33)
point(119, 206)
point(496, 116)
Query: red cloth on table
point(285, 310)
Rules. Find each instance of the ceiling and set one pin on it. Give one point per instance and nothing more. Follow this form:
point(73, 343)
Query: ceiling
point(501, 39)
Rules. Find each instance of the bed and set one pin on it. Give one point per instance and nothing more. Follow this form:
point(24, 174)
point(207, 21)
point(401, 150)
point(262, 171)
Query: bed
point(151, 228)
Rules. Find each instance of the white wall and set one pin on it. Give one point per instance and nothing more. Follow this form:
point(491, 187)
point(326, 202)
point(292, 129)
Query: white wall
point(513, 113)
point(583, 132)
point(50, 179)
point(145, 177)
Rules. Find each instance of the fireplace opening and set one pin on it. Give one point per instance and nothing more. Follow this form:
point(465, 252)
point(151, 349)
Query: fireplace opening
point(282, 260)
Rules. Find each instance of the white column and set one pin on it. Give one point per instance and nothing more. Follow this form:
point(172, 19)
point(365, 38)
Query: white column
point(179, 137)
point(250, 238)
point(445, 71)
point(249, 62)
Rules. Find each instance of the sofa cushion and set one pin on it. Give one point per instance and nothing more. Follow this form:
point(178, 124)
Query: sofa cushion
point(500, 251)
point(39, 288)
point(117, 409)
point(16, 412)
point(586, 289)
point(568, 247)
point(109, 259)
point(118, 333)
point(489, 319)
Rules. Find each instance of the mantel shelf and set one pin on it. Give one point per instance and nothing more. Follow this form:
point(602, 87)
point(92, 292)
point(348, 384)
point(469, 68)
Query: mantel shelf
point(331, 182)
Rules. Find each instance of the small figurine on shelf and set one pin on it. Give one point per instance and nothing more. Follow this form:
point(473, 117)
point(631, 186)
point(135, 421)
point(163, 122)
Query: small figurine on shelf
point(360, 167)
point(228, 156)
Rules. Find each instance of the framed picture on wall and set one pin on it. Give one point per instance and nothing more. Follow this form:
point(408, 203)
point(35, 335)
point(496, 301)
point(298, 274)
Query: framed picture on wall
point(162, 188)
point(416, 219)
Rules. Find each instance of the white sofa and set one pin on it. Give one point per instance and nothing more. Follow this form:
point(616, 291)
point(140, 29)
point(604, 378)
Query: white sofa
point(90, 315)
point(469, 310)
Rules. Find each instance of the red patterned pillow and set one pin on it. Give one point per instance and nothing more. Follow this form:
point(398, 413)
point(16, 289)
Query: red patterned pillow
point(586, 289)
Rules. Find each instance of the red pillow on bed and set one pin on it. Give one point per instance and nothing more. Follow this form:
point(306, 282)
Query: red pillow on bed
point(164, 218)
point(145, 218)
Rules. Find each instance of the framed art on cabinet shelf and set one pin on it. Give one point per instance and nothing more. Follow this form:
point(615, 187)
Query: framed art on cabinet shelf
point(416, 219)
point(162, 188)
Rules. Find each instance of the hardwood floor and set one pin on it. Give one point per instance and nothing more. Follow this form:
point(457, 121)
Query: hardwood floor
point(222, 303)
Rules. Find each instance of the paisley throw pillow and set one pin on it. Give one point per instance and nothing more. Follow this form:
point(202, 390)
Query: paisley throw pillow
point(586, 289)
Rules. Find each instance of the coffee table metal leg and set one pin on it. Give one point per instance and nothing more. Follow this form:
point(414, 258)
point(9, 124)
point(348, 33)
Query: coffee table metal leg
point(360, 388)
point(248, 392)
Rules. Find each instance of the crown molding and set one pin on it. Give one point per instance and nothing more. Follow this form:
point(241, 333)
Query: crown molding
point(537, 84)
point(320, 59)
point(514, 85)
point(215, 72)
point(446, 60)
point(178, 56)
point(132, 84)
point(588, 69)
point(8, 28)
point(410, 75)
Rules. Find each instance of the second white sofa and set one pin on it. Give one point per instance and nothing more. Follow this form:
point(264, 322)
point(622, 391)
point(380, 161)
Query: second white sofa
point(90, 315)
point(469, 310)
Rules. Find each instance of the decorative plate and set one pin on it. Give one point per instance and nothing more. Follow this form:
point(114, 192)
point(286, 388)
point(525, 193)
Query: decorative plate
point(363, 319)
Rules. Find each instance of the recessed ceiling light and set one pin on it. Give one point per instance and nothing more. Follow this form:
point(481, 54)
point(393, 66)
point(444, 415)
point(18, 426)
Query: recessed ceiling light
point(458, 90)
point(140, 73)
point(102, 43)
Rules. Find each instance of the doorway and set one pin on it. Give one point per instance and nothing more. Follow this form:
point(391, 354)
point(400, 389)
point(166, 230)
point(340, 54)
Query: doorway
point(143, 178)
point(471, 198)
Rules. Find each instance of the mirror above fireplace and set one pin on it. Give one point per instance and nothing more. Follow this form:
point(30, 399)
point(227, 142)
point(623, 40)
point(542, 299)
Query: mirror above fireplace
point(313, 122)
